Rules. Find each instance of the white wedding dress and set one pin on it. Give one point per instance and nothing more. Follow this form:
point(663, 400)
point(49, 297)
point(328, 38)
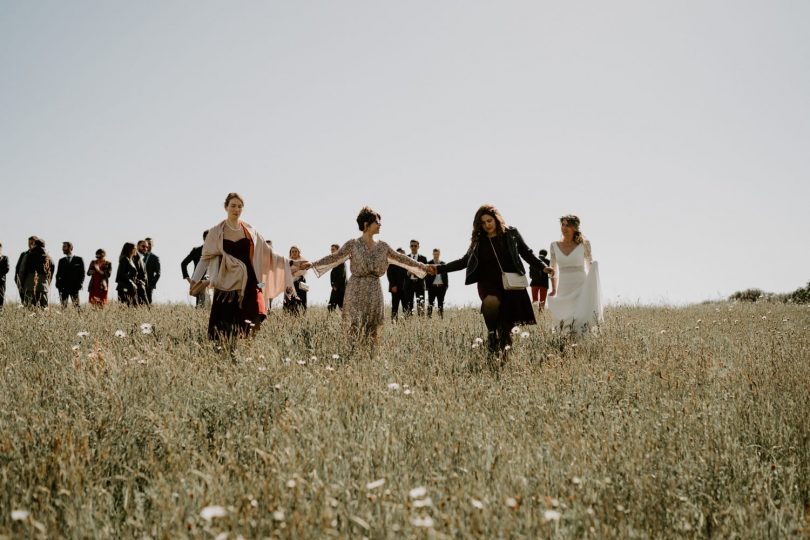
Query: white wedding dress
point(577, 305)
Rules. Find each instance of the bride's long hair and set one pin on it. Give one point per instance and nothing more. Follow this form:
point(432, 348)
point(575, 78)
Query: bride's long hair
point(478, 229)
point(573, 221)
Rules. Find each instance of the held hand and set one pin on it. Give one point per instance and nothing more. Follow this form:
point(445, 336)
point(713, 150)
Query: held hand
point(191, 284)
point(553, 293)
point(394, 289)
point(303, 265)
point(548, 270)
point(431, 270)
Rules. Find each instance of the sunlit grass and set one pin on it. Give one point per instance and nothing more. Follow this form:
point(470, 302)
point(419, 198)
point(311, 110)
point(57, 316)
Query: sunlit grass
point(674, 422)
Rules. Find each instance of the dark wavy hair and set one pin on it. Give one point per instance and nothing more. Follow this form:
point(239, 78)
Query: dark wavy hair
point(573, 221)
point(234, 196)
point(126, 251)
point(478, 229)
point(367, 216)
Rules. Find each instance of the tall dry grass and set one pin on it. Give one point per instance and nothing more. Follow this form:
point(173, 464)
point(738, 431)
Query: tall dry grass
point(690, 422)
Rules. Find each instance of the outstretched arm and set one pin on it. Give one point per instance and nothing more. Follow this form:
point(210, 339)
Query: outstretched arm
point(415, 267)
point(454, 266)
point(324, 265)
point(527, 254)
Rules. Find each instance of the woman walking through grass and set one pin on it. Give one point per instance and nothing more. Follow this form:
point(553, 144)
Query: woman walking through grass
point(496, 249)
point(99, 271)
point(575, 302)
point(126, 278)
point(369, 260)
point(243, 272)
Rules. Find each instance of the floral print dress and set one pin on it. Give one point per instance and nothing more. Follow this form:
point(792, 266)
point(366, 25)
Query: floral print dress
point(363, 303)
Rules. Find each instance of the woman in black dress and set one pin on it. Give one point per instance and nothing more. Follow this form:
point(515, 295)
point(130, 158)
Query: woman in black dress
point(496, 248)
point(127, 276)
point(243, 271)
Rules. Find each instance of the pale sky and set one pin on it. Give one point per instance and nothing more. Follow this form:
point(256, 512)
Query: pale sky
point(679, 132)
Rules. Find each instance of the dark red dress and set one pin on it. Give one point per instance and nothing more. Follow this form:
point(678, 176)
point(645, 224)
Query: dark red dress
point(516, 306)
point(229, 319)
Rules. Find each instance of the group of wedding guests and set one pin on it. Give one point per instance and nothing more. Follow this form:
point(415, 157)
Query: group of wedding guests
point(136, 279)
point(245, 273)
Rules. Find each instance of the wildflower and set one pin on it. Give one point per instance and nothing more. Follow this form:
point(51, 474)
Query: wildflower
point(278, 515)
point(262, 368)
point(516, 330)
point(83, 334)
point(286, 360)
point(335, 357)
point(417, 492)
point(590, 511)
point(422, 503)
point(302, 362)
point(210, 512)
point(142, 362)
point(19, 515)
point(277, 387)
point(551, 515)
point(479, 341)
point(408, 392)
point(699, 321)
point(662, 332)
point(477, 504)
point(576, 480)
point(426, 522)
point(512, 503)
point(120, 334)
point(146, 328)
point(394, 386)
point(375, 484)
point(75, 348)
point(290, 483)
point(475, 345)
point(254, 503)
point(524, 335)
point(330, 368)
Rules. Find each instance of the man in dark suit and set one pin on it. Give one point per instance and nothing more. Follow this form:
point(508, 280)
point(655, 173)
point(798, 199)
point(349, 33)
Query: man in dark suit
point(194, 256)
point(396, 281)
point(3, 271)
point(152, 264)
point(539, 282)
point(142, 279)
point(25, 287)
point(436, 286)
point(414, 285)
point(69, 275)
point(338, 278)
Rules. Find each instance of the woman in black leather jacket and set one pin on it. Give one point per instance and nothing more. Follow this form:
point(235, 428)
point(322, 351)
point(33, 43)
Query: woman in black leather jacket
point(127, 276)
point(496, 248)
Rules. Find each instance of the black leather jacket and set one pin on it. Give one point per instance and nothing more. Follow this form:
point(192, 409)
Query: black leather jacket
point(517, 250)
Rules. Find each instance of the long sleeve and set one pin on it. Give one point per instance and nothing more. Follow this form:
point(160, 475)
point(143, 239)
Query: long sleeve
point(325, 264)
point(417, 268)
point(185, 262)
point(552, 253)
point(454, 266)
point(527, 254)
point(3, 267)
point(200, 270)
point(588, 255)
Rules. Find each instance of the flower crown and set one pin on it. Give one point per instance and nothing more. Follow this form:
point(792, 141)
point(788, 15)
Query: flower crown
point(572, 220)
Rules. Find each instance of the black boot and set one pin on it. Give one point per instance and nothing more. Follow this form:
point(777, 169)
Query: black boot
point(492, 342)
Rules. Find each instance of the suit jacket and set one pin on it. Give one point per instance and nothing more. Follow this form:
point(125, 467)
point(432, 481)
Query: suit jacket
point(429, 279)
point(396, 277)
point(152, 265)
point(338, 277)
point(19, 278)
point(126, 276)
point(70, 275)
point(193, 257)
point(3, 270)
point(538, 277)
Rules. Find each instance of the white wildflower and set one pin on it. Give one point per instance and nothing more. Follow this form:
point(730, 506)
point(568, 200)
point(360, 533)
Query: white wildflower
point(551, 515)
point(477, 504)
point(254, 503)
point(120, 334)
point(262, 368)
point(422, 503)
point(330, 368)
point(417, 492)
point(302, 362)
point(511, 502)
point(524, 335)
point(576, 480)
point(394, 386)
point(426, 522)
point(479, 341)
point(408, 392)
point(83, 334)
point(210, 512)
point(375, 484)
point(278, 515)
point(516, 330)
point(146, 328)
point(290, 483)
point(335, 357)
point(19, 515)
point(75, 348)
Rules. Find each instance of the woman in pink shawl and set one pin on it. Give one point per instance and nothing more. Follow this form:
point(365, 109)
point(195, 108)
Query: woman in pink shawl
point(243, 271)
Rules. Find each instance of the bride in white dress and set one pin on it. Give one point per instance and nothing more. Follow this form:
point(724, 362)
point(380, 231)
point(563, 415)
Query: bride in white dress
point(575, 301)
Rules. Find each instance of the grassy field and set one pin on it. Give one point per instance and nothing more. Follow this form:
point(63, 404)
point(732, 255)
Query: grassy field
point(691, 422)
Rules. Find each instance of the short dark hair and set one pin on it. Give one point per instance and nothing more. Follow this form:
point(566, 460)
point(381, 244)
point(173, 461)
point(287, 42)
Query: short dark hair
point(69, 245)
point(39, 242)
point(543, 252)
point(335, 246)
point(366, 217)
point(415, 242)
point(400, 250)
point(437, 249)
point(101, 253)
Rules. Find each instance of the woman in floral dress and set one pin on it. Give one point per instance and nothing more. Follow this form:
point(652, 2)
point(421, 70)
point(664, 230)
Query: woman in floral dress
point(369, 260)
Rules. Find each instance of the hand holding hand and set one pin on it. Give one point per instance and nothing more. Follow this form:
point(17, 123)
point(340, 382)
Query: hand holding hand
point(548, 270)
point(431, 269)
point(303, 265)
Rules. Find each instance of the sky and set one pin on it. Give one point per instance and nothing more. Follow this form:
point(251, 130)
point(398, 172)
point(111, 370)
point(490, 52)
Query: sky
point(679, 132)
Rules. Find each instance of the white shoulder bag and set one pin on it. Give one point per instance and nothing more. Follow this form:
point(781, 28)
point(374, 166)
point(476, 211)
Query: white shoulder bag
point(512, 281)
